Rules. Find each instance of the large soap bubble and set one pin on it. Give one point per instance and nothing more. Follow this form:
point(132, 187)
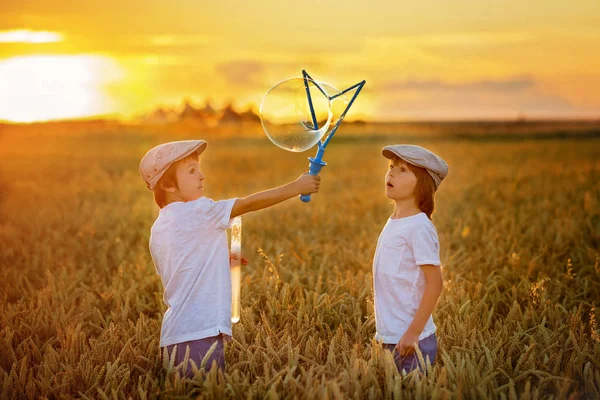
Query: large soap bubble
point(287, 117)
point(339, 102)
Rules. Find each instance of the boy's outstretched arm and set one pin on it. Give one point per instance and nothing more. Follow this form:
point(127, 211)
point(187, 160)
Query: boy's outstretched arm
point(305, 184)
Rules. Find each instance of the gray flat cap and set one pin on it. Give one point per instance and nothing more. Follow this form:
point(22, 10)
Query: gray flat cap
point(421, 157)
point(158, 160)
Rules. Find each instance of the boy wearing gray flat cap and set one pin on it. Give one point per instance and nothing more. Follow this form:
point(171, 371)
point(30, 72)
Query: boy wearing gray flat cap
point(407, 277)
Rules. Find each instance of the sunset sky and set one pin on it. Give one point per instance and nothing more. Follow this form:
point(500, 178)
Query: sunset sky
point(422, 60)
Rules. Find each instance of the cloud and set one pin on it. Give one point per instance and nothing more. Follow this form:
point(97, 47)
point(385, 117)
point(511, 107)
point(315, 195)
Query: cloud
point(179, 40)
point(471, 39)
point(241, 73)
point(184, 46)
point(479, 99)
point(29, 36)
point(512, 85)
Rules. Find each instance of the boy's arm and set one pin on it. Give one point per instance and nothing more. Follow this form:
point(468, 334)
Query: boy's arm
point(305, 184)
point(434, 284)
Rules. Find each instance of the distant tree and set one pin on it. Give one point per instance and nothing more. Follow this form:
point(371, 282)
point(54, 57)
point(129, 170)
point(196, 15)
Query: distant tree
point(229, 115)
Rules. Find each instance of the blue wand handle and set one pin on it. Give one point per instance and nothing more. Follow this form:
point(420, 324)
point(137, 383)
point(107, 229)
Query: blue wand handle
point(315, 166)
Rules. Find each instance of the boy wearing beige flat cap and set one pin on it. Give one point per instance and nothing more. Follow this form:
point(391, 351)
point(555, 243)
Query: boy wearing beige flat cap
point(407, 277)
point(188, 244)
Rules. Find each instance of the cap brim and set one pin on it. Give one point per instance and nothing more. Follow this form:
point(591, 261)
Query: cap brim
point(199, 148)
point(390, 154)
point(387, 153)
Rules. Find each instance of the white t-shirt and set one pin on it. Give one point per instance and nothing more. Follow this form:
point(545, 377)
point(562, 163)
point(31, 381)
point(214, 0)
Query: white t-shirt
point(399, 283)
point(188, 244)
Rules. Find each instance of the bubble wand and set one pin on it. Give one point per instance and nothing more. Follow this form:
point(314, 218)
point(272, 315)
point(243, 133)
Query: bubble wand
point(236, 270)
point(310, 109)
point(317, 163)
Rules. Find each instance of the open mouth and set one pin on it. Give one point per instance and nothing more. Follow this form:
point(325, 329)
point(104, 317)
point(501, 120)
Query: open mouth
point(389, 185)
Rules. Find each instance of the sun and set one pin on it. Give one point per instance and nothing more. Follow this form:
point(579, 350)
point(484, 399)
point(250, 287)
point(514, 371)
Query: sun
point(48, 87)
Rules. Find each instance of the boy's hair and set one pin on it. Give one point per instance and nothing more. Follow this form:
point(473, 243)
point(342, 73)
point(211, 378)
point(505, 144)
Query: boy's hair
point(169, 180)
point(425, 190)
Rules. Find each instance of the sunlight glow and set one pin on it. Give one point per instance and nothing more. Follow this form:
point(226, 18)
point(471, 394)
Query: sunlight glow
point(38, 88)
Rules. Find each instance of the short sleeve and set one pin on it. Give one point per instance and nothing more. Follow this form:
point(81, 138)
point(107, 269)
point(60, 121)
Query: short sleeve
point(426, 247)
point(218, 213)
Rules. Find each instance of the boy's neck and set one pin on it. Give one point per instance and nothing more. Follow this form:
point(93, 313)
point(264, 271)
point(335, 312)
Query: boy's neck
point(173, 198)
point(405, 208)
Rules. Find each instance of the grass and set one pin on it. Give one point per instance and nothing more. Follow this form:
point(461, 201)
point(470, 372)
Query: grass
point(519, 225)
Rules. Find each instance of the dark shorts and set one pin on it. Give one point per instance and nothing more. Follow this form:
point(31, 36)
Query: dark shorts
point(428, 347)
point(198, 349)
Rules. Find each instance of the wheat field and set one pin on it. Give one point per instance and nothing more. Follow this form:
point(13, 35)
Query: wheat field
point(519, 226)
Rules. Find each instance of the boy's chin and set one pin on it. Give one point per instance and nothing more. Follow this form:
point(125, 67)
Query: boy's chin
point(393, 196)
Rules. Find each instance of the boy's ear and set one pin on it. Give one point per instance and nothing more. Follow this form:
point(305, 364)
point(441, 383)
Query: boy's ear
point(168, 188)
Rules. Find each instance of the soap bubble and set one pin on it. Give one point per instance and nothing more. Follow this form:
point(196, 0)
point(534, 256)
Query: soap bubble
point(287, 118)
point(338, 106)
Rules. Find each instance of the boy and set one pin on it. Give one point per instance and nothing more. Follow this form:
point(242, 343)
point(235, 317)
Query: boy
point(188, 244)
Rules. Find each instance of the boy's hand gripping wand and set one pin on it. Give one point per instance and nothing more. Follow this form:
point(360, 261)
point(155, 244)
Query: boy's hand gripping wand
point(317, 163)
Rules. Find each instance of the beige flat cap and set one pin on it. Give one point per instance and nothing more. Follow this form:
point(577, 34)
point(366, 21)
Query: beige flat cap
point(421, 157)
point(158, 160)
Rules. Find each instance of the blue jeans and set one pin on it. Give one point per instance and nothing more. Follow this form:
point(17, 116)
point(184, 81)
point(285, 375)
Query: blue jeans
point(198, 349)
point(428, 347)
